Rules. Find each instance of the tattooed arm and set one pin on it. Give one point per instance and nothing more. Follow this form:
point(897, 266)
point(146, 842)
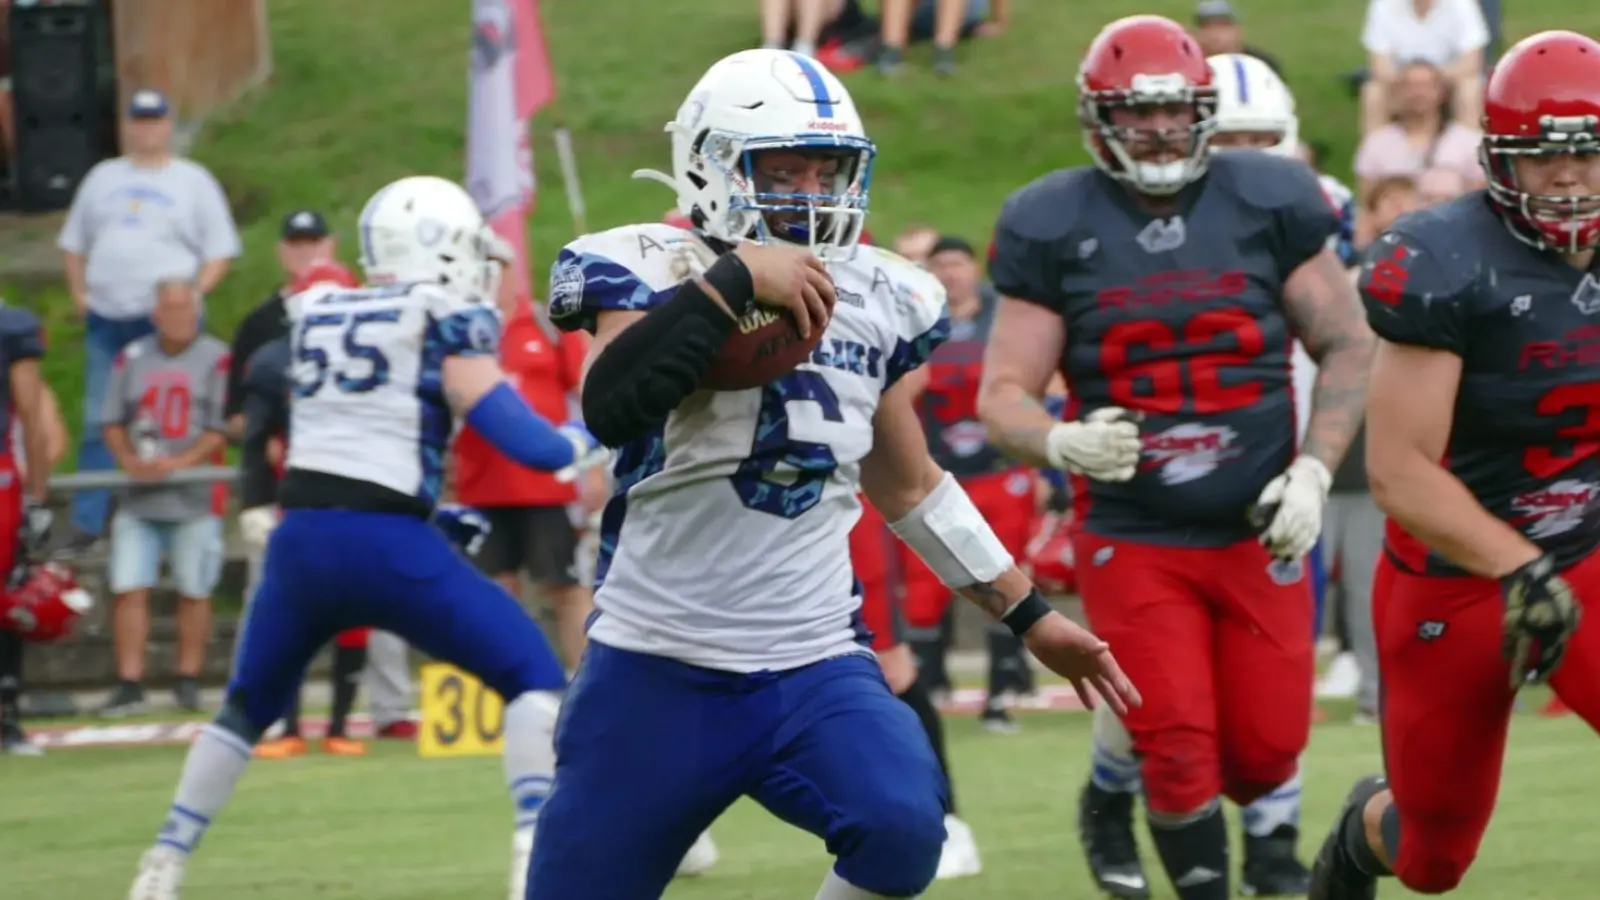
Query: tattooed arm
point(1326, 315)
point(1024, 351)
point(898, 474)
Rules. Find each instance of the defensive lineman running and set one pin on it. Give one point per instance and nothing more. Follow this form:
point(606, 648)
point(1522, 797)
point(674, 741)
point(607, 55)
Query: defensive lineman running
point(378, 372)
point(726, 659)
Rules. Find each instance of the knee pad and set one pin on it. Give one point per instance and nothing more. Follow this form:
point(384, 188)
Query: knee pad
point(1180, 772)
point(891, 848)
point(1433, 860)
point(1246, 781)
point(233, 718)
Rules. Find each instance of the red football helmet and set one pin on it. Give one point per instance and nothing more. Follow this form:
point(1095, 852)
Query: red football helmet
point(1150, 64)
point(1543, 100)
point(1050, 560)
point(46, 604)
point(323, 271)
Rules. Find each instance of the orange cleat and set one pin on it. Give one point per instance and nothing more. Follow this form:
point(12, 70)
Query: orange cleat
point(281, 748)
point(343, 746)
point(1555, 708)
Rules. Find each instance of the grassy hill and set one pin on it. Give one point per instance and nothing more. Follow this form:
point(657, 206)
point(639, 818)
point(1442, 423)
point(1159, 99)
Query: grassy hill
point(369, 90)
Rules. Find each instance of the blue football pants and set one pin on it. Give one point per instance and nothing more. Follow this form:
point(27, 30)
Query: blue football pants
point(328, 570)
point(649, 751)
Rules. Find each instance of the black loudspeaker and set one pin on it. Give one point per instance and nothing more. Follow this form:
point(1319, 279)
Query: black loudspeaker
point(59, 100)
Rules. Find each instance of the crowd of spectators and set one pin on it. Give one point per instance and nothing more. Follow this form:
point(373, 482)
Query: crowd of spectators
point(842, 35)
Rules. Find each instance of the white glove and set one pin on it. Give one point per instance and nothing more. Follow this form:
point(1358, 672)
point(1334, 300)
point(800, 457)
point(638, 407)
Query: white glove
point(587, 452)
point(1293, 501)
point(256, 524)
point(1104, 446)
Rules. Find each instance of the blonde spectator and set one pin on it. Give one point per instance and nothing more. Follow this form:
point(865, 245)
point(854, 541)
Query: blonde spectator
point(1438, 185)
point(916, 243)
point(1421, 137)
point(1448, 34)
point(1389, 199)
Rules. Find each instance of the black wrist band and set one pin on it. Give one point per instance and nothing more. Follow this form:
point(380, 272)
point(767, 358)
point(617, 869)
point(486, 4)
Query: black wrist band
point(732, 279)
point(1026, 613)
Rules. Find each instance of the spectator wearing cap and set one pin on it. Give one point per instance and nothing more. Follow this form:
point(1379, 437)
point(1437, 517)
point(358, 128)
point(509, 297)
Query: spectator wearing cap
point(1217, 30)
point(142, 218)
point(303, 239)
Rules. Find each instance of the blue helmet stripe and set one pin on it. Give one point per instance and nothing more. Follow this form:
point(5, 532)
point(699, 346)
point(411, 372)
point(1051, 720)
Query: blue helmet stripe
point(819, 88)
point(1244, 83)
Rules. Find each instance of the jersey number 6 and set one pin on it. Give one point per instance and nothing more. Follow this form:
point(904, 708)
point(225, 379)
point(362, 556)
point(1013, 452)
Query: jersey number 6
point(313, 365)
point(1156, 385)
point(812, 462)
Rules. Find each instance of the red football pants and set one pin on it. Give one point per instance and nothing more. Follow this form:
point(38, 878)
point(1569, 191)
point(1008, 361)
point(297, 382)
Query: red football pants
point(1218, 641)
point(871, 553)
point(1005, 499)
point(1447, 708)
point(10, 515)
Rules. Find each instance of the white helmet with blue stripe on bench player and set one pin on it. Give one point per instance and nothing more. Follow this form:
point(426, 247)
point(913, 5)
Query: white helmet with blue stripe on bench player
point(427, 229)
point(1255, 109)
point(747, 116)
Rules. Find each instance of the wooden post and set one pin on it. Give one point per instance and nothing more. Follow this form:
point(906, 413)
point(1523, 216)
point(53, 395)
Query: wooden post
point(203, 53)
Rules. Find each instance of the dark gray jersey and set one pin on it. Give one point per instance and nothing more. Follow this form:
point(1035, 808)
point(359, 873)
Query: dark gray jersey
point(1179, 318)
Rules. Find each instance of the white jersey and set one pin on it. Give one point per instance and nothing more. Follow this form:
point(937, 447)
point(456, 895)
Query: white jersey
point(367, 370)
point(727, 544)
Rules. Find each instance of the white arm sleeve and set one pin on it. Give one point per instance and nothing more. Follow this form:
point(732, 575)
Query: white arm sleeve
point(950, 535)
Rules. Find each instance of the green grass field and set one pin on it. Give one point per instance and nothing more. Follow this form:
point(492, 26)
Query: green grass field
point(378, 91)
point(395, 827)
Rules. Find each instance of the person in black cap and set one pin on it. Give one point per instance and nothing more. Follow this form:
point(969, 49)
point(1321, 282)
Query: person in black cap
point(303, 240)
point(1217, 30)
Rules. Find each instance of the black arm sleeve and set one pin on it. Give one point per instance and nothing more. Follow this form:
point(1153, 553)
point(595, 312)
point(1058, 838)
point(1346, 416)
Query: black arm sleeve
point(262, 326)
point(652, 365)
point(258, 480)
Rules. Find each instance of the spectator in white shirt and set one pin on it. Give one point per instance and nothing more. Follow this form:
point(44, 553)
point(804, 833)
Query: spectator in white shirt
point(142, 218)
point(1450, 34)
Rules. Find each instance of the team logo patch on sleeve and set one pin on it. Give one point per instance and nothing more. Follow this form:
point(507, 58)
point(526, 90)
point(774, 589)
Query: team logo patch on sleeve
point(566, 290)
point(483, 333)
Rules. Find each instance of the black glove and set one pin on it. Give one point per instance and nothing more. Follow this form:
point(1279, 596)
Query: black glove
point(1541, 615)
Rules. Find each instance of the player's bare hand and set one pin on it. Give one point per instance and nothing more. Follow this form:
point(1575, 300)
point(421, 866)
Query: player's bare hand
point(1541, 615)
point(1104, 446)
point(790, 278)
point(899, 668)
point(1074, 653)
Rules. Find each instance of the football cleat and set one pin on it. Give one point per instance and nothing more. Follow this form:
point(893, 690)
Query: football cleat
point(700, 858)
point(1105, 829)
point(1270, 867)
point(959, 857)
point(1333, 875)
point(287, 747)
point(343, 746)
point(160, 875)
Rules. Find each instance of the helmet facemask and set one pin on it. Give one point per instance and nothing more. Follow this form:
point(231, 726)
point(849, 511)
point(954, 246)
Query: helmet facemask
point(1564, 223)
point(1117, 148)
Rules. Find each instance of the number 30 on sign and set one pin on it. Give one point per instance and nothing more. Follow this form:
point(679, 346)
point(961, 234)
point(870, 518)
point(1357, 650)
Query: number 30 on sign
point(460, 717)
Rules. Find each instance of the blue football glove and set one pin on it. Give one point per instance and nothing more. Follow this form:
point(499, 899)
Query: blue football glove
point(463, 526)
point(588, 453)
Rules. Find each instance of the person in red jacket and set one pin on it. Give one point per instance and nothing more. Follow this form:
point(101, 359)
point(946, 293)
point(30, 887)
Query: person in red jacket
point(535, 521)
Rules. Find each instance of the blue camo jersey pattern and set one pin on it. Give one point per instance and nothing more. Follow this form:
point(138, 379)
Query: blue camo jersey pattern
point(761, 483)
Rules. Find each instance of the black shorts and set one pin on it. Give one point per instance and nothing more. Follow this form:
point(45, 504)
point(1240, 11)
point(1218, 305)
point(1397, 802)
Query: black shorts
point(538, 540)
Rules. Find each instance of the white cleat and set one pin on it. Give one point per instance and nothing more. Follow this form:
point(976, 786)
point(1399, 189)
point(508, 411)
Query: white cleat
point(700, 858)
point(959, 858)
point(521, 853)
point(160, 875)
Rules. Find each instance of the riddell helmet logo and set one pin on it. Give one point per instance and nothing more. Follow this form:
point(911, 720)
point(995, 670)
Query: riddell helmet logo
point(827, 125)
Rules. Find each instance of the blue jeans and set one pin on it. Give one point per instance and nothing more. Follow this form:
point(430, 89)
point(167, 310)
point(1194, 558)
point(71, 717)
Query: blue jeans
point(103, 339)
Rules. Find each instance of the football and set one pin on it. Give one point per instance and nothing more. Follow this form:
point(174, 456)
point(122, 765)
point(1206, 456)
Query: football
point(764, 347)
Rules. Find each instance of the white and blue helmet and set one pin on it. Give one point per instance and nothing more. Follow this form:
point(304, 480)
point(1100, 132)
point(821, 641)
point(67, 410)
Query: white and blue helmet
point(759, 100)
point(1252, 99)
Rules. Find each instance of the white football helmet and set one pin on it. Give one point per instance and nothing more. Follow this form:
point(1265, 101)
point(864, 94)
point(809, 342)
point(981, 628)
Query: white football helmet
point(1252, 99)
point(427, 229)
point(758, 100)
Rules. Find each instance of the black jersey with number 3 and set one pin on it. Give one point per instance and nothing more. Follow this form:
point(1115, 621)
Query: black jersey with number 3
point(1525, 438)
point(1180, 318)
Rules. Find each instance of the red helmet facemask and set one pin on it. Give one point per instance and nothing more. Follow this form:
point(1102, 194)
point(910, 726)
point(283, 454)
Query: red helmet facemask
point(323, 271)
point(1147, 63)
point(45, 604)
point(1542, 101)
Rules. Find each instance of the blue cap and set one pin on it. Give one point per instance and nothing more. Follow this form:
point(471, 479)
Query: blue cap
point(148, 103)
point(1214, 10)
